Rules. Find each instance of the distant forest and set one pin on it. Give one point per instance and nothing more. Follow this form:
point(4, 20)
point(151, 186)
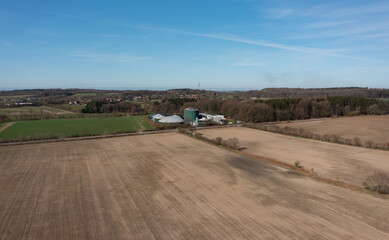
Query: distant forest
point(176, 93)
point(255, 110)
point(272, 104)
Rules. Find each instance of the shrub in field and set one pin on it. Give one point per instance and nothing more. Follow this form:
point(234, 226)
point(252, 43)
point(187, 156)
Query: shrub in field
point(219, 140)
point(378, 182)
point(198, 135)
point(348, 141)
point(369, 144)
point(297, 164)
point(3, 118)
point(357, 141)
point(233, 143)
point(307, 134)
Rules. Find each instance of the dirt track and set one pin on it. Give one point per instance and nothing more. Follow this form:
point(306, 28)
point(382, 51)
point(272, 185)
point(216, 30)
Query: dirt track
point(367, 128)
point(169, 186)
point(6, 125)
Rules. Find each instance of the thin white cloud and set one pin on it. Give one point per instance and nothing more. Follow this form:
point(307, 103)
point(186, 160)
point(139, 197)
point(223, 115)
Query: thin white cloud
point(329, 24)
point(281, 13)
point(339, 10)
point(309, 50)
point(103, 57)
point(248, 64)
point(7, 44)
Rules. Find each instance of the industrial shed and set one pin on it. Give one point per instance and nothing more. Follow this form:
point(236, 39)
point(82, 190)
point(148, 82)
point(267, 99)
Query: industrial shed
point(158, 116)
point(172, 119)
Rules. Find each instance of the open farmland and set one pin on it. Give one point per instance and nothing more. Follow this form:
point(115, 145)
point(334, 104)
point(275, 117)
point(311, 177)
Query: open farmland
point(73, 127)
point(334, 161)
point(32, 110)
point(169, 186)
point(367, 128)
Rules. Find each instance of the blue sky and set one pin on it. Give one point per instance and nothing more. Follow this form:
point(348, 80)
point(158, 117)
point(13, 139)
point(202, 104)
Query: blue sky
point(229, 44)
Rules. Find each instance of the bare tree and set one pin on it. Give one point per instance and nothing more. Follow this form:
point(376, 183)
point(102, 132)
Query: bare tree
point(378, 182)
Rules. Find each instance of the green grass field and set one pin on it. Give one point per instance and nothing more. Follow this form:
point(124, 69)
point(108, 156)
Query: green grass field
point(85, 94)
point(41, 129)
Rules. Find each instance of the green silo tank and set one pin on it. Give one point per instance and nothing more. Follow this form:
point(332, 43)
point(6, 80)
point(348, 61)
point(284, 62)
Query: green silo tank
point(190, 114)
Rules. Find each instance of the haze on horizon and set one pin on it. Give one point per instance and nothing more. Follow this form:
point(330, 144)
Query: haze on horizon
point(230, 44)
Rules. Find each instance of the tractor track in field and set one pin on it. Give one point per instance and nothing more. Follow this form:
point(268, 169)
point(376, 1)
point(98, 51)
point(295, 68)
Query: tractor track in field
point(6, 126)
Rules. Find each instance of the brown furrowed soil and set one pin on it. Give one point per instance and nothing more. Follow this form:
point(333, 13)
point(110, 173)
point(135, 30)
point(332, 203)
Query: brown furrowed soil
point(367, 128)
point(169, 186)
point(334, 161)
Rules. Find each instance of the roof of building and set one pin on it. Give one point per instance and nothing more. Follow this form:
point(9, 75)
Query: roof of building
point(172, 119)
point(157, 116)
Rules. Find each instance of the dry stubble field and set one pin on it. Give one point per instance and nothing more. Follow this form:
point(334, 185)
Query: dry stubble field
point(367, 128)
point(330, 160)
point(169, 186)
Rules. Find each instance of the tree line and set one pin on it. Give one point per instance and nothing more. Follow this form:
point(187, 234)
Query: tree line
point(291, 109)
point(253, 110)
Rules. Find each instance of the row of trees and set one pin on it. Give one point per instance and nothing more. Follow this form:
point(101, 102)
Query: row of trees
point(291, 109)
point(104, 106)
point(253, 110)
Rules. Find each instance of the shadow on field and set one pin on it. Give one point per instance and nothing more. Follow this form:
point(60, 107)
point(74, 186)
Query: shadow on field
point(251, 166)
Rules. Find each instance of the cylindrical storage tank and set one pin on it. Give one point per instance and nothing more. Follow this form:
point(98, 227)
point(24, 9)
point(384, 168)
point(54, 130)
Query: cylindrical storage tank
point(190, 114)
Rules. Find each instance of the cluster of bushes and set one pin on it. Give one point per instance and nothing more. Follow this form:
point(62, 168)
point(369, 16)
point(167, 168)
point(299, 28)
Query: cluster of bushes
point(301, 132)
point(378, 182)
point(232, 143)
point(103, 106)
point(3, 118)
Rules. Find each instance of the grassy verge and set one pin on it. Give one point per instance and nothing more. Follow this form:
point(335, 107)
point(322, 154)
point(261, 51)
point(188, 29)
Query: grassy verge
point(45, 129)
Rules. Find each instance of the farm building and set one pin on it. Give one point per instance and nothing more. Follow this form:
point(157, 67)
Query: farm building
point(172, 119)
point(158, 116)
point(166, 118)
point(216, 118)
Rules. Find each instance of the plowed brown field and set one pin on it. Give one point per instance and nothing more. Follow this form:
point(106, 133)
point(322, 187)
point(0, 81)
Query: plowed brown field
point(367, 128)
point(330, 160)
point(169, 186)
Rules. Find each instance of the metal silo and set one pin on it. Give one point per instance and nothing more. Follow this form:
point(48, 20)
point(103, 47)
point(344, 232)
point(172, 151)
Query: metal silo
point(191, 114)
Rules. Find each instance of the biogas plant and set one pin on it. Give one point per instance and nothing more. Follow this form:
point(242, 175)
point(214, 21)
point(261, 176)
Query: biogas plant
point(192, 116)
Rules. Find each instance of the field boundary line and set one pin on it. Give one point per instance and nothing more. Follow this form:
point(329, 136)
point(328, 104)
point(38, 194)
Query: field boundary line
point(88, 137)
point(6, 126)
point(60, 111)
point(317, 140)
point(142, 132)
point(302, 171)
